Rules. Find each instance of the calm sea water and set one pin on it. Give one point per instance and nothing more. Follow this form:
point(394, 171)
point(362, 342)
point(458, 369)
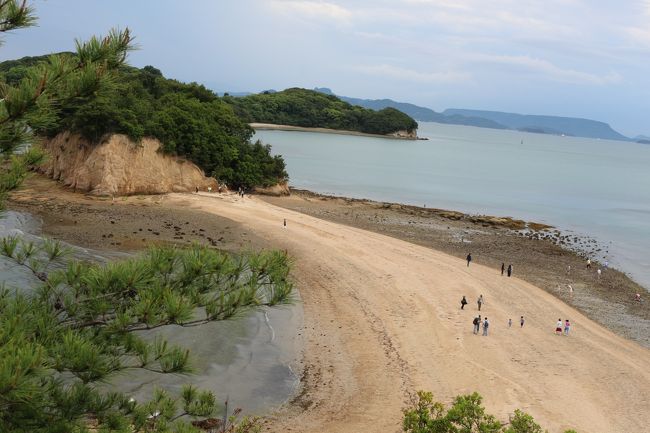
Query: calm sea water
point(598, 188)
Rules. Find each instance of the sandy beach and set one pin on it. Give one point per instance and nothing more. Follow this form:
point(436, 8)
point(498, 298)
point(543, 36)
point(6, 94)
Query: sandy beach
point(382, 320)
point(274, 127)
point(382, 316)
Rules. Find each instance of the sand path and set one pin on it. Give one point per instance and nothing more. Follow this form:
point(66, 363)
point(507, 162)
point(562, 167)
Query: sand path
point(383, 319)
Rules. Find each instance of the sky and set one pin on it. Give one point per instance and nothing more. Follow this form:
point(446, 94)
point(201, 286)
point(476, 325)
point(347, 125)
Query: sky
point(580, 58)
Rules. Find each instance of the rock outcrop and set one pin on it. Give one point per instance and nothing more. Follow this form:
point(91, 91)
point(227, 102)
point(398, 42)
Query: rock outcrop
point(119, 166)
point(277, 190)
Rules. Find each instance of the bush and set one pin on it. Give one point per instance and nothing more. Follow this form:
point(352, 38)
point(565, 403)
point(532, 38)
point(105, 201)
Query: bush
point(466, 415)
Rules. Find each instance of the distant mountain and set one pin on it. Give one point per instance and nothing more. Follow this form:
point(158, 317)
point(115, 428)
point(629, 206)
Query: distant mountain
point(418, 113)
point(497, 120)
point(643, 139)
point(545, 124)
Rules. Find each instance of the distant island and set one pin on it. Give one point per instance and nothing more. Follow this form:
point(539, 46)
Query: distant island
point(556, 125)
point(312, 109)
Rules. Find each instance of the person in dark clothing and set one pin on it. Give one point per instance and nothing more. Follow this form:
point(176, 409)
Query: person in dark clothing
point(477, 324)
point(463, 302)
point(469, 258)
point(509, 270)
point(503, 268)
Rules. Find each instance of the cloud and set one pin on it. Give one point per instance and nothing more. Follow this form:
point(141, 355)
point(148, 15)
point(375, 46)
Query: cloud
point(390, 71)
point(313, 9)
point(638, 35)
point(549, 70)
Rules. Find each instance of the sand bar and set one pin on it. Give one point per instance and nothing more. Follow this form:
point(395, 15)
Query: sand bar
point(382, 319)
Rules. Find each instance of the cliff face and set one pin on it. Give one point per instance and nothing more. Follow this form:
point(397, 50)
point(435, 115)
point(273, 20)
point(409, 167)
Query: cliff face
point(118, 166)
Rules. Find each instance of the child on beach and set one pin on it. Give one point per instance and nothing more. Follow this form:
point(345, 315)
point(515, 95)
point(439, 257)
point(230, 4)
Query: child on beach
point(558, 327)
point(521, 322)
point(567, 327)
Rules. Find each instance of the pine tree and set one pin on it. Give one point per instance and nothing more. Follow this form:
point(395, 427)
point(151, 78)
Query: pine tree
point(83, 324)
point(31, 104)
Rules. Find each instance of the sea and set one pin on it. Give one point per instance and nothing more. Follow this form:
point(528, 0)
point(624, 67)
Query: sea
point(595, 188)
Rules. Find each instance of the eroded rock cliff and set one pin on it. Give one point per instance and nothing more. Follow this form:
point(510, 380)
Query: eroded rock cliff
point(118, 166)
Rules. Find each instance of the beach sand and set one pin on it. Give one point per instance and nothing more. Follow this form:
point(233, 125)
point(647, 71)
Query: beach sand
point(275, 127)
point(382, 316)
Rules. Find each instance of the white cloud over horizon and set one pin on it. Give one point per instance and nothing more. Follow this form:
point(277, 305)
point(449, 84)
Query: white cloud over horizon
point(583, 58)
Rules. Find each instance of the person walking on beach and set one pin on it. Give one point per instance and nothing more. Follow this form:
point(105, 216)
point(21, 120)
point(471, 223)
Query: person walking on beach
point(509, 323)
point(588, 263)
point(503, 268)
point(486, 325)
point(480, 302)
point(469, 259)
point(285, 226)
point(477, 324)
point(521, 322)
point(567, 327)
point(463, 302)
point(599, 273)
point(197, 189)
point(558, 327)
point(510, 270)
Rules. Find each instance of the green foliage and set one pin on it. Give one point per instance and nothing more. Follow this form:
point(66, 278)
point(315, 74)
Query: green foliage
point(188, 119)
point(81, 325)
point(32, 91)
point(521, 422)
point(466, 415)
point(308, 108)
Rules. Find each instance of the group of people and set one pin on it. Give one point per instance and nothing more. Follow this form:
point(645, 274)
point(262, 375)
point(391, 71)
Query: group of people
point(219, 188)
point(485, 323)
point(464, 302)
point(566, 326)
point(507, 270)
point(479, 322)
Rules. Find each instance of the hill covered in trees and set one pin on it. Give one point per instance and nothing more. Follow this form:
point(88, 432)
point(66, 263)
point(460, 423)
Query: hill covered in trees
point(309, 108)
point(189, 120)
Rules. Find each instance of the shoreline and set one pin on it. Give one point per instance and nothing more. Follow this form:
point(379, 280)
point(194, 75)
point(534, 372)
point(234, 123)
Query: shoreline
point(532, 248)
point(372, 301)
point(276, 127)
point(539, 252)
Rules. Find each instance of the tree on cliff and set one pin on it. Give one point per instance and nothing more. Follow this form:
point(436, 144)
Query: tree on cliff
point(32, 103)
point(83, 323)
